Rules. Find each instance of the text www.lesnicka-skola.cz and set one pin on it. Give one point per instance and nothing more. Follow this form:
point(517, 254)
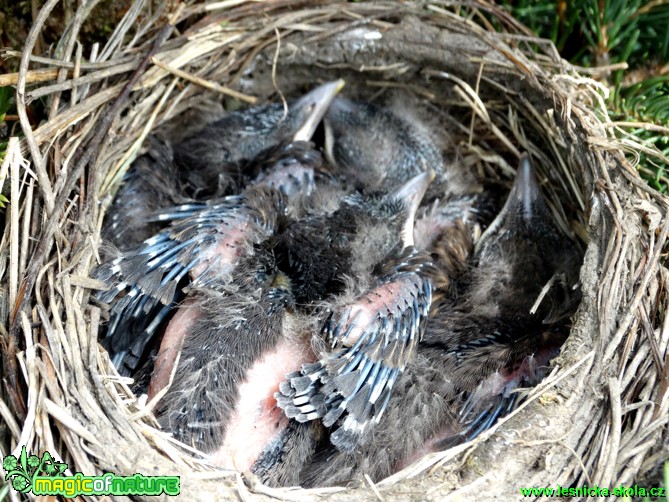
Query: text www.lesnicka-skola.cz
point(594, 491)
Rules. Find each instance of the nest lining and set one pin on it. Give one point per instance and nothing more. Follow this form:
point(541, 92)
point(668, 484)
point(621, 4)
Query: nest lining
point(597, 419)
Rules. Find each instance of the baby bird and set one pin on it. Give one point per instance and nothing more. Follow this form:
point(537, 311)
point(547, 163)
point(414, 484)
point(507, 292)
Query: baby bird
point(525, 248)
point(509, 320)
point(211, 284)
point(377, 147)
point(228, 345)
point(372, 331)
point(476, 350)
point(206, 239)
point(201, 249)
point(225, 154)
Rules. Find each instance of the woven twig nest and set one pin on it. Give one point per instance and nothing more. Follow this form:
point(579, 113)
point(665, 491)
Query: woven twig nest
point(599, 418)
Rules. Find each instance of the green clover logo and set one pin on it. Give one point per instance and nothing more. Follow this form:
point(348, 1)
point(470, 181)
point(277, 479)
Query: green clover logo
point(9, 463)
point(21, 483)
point(23, 470)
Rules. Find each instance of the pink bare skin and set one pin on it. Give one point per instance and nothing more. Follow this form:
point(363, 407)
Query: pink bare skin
point(224, 254)
point(170, 347)
point(368, 309)
point(531, 369)
point(257, 420)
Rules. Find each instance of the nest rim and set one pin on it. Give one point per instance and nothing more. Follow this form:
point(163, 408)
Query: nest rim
point(605, 191)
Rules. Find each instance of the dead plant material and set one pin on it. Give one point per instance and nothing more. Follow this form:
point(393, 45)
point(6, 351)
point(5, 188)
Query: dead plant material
point(600, 417)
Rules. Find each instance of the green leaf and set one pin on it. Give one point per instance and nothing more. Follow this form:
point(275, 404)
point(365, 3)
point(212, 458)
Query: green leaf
point(23, 459)
point(6, 97)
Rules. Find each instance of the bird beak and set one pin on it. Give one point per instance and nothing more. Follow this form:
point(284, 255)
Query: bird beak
point(316, 102)
point(412, 193)
point(525, 192)
point(524, 199)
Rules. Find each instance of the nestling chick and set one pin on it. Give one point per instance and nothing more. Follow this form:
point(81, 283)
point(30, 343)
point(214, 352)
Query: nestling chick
point(225, 154)
point(376, 147)
point(201, 248)
point(231, 345)
point(522, 250)
point(211, 279)
point(511, 320)
point(373, 334)
point(474, 355)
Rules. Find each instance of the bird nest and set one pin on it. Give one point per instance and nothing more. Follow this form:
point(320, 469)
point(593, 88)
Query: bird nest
point(598, 418)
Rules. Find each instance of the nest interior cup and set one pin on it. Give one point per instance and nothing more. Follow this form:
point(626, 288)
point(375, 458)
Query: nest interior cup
point(597, 419)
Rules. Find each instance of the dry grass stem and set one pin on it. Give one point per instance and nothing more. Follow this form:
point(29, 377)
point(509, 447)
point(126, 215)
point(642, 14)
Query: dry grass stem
point(600, 417)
